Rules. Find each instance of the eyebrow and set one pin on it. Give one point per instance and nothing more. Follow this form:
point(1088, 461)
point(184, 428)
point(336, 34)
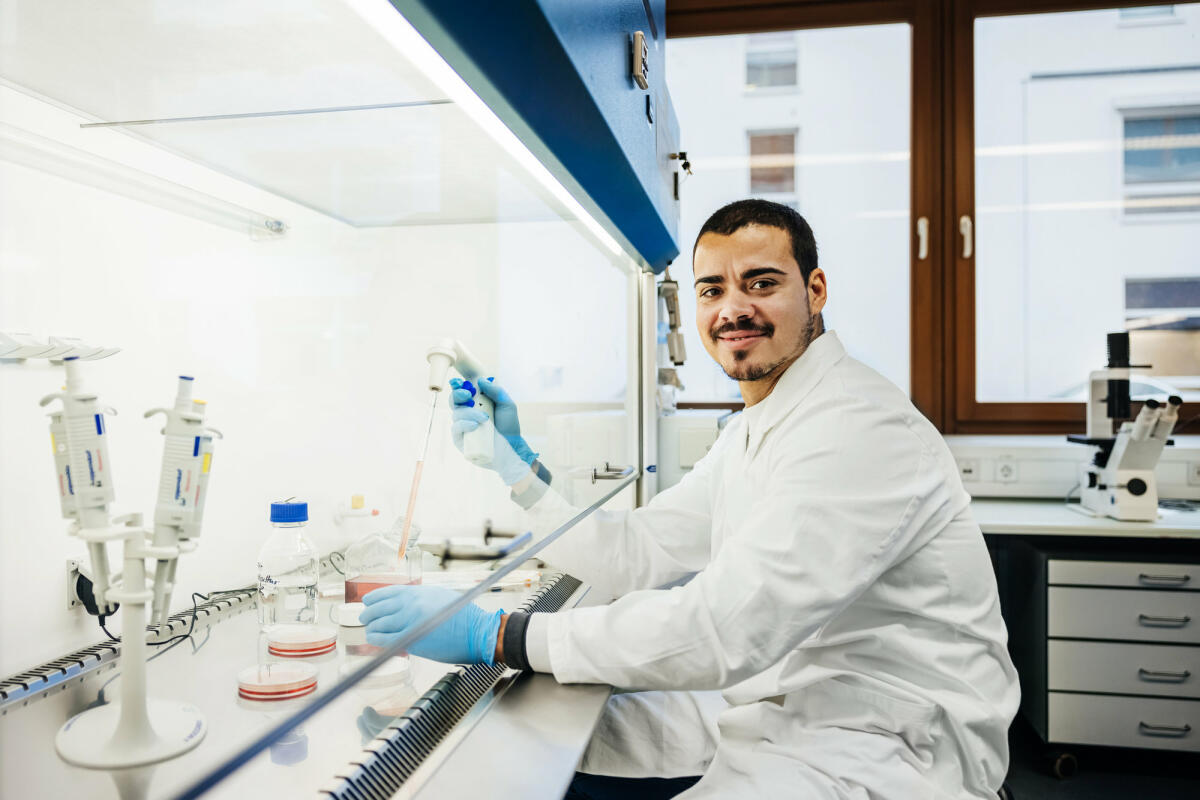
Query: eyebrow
point(749, 274)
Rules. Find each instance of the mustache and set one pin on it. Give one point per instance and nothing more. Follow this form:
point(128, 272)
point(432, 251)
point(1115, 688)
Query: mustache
point(766, 329)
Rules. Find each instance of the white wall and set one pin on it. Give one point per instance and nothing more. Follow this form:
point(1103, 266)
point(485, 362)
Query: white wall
point(309, 349)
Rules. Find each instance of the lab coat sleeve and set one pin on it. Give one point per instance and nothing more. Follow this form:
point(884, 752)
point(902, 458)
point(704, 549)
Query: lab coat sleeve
point(829, 521)
point(622, 551)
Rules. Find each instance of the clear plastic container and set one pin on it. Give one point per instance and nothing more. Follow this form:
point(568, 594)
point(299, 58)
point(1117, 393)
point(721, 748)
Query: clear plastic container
point(288, 567)
point(374, 562)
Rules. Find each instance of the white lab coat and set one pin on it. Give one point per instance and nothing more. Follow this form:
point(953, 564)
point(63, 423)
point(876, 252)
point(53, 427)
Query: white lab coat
point(843, 602)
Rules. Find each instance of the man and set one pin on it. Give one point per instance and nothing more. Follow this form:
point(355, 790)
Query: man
point(842, 600)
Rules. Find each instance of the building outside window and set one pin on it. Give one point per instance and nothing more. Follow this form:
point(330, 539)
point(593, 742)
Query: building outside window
point(1162, 162)
point(770, 60)
point(772, 163)
point(1147, 14)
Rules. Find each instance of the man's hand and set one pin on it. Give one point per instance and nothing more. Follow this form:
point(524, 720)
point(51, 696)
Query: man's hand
point(512, 455)
point(468, 637)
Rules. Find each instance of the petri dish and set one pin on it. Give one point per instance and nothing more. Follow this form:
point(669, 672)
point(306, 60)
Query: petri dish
point(300, 641)
point(266, 682)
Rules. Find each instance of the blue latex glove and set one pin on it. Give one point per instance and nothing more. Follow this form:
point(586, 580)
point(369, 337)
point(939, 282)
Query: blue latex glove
point(512, 454)
point(468, 637)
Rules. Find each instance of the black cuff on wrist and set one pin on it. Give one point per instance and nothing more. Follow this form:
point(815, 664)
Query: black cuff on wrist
point(514, 641)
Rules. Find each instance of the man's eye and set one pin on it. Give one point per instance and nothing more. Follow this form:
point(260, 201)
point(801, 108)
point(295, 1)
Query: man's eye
point(762, 283)
point(711, 291)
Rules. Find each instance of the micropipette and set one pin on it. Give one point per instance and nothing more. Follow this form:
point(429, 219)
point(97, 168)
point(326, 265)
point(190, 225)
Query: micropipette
point(478, 444)
point(183, 478)
point(87, 467)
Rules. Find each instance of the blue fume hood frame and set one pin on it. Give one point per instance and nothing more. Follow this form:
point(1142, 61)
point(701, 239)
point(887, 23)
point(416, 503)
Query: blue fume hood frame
point(558, 73)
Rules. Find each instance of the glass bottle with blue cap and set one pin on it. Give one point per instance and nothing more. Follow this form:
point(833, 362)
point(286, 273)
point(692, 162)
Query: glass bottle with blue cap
point(287, 568)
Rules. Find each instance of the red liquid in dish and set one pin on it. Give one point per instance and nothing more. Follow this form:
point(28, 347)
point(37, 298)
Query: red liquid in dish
point(362, 585)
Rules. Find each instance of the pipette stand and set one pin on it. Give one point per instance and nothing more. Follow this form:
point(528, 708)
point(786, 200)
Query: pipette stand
point(133, 731)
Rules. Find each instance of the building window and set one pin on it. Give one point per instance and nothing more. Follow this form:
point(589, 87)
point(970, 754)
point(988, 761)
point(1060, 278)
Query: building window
point(1163, 303)
point(772, 162)
point(1162, 162)
point(770, 60)
point(1146, 13)
point(1162, 316)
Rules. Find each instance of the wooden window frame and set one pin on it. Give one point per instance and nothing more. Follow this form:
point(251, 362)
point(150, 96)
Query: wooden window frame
point(942, 286)
point(964, 413)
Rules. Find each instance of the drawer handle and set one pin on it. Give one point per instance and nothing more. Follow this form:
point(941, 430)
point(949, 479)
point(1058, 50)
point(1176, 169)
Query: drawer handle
point(1162, 622)
point(1164, 580)
point(1158, 676)
point(1169, 731)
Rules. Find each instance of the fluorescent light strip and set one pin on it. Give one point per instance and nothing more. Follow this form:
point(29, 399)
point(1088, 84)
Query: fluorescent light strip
point(383, 17)
point(46, 155)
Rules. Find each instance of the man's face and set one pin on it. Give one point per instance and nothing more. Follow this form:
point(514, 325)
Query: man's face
point(754, 312)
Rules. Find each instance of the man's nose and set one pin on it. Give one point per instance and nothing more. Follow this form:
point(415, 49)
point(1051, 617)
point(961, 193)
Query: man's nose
point(736, 306)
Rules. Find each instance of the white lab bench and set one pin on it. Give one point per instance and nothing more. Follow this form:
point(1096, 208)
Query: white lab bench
point(1055, 518)
point(524, 734)
point(1104, 622)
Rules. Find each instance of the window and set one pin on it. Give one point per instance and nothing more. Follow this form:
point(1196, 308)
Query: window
point(847, 173)
point(1165, 148)
point(1163, 304)
point(1023, 229)
point(772, 162)
point(1163, 319)
point(1147, 13)
point(1057, 174)
point(770, 60)
point(1162, 162)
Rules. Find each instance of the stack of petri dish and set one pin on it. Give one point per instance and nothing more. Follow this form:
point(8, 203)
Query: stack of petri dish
point(268, 682)
point(300, 641)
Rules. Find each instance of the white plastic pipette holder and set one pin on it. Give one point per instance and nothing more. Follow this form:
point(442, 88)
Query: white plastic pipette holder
point(135, 731)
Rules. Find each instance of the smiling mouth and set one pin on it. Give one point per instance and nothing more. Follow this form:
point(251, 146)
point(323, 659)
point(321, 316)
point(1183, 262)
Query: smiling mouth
point(742, 337)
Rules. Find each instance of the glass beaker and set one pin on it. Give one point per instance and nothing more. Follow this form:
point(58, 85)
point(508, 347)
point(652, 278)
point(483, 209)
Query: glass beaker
point(374, 562)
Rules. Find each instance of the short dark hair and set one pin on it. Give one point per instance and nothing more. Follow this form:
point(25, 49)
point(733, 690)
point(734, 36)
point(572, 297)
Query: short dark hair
point(737, 215)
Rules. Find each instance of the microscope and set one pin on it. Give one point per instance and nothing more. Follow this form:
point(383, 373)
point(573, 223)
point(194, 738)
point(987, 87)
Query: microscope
point(1119, 481)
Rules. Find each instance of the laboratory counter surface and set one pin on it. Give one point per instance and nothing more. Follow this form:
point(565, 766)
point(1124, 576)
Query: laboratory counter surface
point(1056, 518)
point(523, 734)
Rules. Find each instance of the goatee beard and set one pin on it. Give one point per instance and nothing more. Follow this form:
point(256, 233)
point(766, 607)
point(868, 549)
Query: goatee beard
point(757, 373)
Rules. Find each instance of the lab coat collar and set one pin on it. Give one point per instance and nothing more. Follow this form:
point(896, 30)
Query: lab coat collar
point(794, 385)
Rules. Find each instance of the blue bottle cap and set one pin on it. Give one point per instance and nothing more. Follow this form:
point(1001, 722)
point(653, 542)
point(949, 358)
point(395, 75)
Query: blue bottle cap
point(289, 511)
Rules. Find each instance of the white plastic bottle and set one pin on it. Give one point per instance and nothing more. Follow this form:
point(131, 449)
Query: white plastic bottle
point(287, 569)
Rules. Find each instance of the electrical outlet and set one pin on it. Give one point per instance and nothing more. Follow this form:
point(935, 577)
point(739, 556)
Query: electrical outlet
point(1194, 473)
point(1006, 470)
point(968, 469)
point(72, 577)
point(639, 60)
